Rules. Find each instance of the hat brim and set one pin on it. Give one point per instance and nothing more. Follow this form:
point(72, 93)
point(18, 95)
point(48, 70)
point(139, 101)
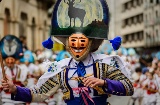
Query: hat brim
point(60, 40)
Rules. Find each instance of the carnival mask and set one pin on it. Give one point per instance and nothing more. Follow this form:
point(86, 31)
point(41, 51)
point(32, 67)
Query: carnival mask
point(10, 61)
point(78, 45)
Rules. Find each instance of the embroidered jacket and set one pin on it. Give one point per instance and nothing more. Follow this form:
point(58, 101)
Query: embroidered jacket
point(110, 68)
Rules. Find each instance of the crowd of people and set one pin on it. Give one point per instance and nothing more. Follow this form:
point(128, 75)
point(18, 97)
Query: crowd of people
point(146, 75)
point(145, 72)
point(147, 84)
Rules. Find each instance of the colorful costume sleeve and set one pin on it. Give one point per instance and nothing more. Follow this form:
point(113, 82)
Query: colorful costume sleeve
point(47, 89)
point(46, 86)
point(118, 83)
point(23, 94)
point(37, 93)
point(116, 74)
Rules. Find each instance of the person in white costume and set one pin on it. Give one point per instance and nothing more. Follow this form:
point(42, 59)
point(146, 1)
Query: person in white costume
point(150, 87)
point(11, 50)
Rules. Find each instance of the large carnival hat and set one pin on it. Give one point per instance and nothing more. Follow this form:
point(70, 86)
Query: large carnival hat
point(11, 46)
point(90, 17)
point(86, 18)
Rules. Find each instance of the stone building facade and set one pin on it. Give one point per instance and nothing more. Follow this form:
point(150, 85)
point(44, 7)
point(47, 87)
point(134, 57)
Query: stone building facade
point(139, 23)
point(152, 22)
point(132, 25)
point(27, 18)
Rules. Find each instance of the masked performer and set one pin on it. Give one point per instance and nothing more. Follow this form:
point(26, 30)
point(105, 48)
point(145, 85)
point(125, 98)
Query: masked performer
point(11, 49)
point(85, 78)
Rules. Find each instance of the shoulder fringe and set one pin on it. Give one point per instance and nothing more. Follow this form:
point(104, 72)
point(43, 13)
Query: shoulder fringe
point(56, 67)
point(114, 60)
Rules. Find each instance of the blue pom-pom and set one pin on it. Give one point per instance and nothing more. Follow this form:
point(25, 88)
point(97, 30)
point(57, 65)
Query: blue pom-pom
point(116, 42)
point(48, 43)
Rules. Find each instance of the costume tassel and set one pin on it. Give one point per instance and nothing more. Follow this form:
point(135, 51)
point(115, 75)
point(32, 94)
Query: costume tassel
point(116, 42)
point(48, 43)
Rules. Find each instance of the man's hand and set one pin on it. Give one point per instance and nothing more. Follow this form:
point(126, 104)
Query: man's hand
point(8, 86)
point(92, 82)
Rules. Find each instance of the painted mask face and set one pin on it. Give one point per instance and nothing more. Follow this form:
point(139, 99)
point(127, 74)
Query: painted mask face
point(78, 45)
point(10, 61)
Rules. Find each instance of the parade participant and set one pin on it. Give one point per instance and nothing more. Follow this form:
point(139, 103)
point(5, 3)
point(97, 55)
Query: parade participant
point(157, 79)
point(151, 89)
point(138, 93)
point(11, 49)
point(85, 78)
point(33, 72)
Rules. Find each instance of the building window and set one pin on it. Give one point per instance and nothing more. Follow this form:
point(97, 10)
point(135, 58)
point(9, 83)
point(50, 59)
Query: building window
point(130, 21)
point(123, 23)
point(130, 37)
point(134, 3)
point(129, 5)
point(44, 29)
point(26, 0)
point(146, 18)
point(151, 1)
point(23, 24)
point(131, 2)
point(157, 32)
point(7, 22)
point(140, 18)
point(126, 22)
point(135, 19)
point(156, 14)
point(150, 16)
point(124, 39)
point(127, 38)
point(141, 35)
point(135, 37)
point(138, 2)
point(126, 6)
point(157, 1)
point(33, 27)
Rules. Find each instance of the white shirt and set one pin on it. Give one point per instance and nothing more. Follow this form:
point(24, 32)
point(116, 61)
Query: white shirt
point(89, 71)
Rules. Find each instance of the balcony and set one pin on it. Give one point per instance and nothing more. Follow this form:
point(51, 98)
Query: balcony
point(132, 12)
point(48, 3)
point(124, 1)
point(132, 29)
point(134, 44)
point(152, 22)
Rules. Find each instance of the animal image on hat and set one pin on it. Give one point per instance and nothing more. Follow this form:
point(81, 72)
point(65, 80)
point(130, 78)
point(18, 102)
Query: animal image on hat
point(11, 46)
